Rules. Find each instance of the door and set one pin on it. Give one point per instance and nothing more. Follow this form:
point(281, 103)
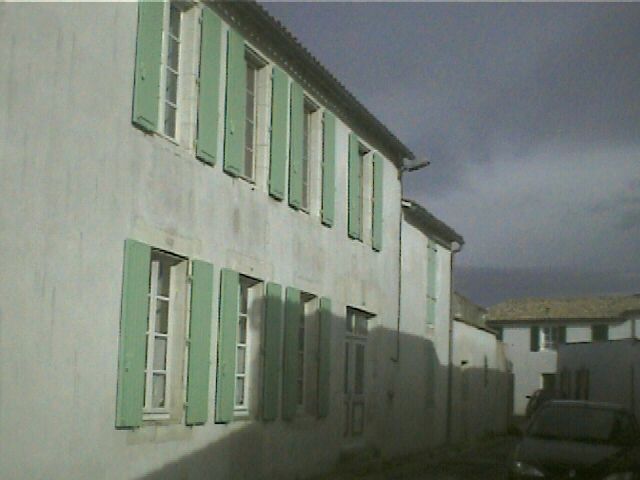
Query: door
point(355, 374)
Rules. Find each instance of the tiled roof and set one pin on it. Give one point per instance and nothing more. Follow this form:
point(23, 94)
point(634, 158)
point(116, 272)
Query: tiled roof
point(430, 223)
point(602, 307)
point(293, 55)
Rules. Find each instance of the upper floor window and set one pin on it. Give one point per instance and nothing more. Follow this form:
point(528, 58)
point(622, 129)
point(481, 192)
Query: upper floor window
point(309, 150)
point(252, 118)
point(170, 70)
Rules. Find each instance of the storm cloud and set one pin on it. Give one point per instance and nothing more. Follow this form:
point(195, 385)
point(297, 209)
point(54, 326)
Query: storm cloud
point(530, 115)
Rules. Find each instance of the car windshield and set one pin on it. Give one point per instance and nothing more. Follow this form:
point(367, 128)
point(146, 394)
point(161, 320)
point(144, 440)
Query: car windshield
point(581, 423)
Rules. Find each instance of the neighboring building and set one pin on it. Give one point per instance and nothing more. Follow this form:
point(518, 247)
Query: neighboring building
point(533, 329)
point(601, 371)
point(418, 403)
point(213, 290)
point(482, 382)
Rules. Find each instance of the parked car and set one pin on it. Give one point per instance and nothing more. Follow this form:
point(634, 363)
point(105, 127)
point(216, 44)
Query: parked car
point(568, 439)
point(537, 399)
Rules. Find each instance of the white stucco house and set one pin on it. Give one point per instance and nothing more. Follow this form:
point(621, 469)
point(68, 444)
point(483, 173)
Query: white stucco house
point(482, 378)
point(202, 241)
point(532, 329)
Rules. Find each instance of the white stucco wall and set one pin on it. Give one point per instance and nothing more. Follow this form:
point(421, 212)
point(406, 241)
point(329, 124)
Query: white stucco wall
point(614, 375)
point(527, 366)
point(416, 403)
point(77, 180)
point(481, 403)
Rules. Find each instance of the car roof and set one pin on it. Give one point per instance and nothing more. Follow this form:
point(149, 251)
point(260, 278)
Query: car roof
point(586, 404)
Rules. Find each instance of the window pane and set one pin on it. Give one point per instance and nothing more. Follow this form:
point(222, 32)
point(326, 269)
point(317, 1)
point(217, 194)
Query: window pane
point(160, 353)
point(159, 382)
point(242, 330)
point(244, 298)
point(172, 87)
point(359, 381)
point(350, 320)
point(174, 21)
point(361, 326)
point(241, 354)
point(162, 316)
point(173, 51)
point(164, 274)
point(239, 391)
point(170, 121)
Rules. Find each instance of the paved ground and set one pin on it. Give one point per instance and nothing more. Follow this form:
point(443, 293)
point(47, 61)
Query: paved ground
point(485, 461)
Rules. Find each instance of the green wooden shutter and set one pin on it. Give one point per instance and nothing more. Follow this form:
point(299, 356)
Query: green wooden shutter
point(562, 335)
point(324, 365)
point(146, 87)
point(199, 342)
point(430, 371)
point(535, 339)
point(236, 101)
point(209, 89)
point(378, 166)
point(227, 326)
point(431, 282)
point(279, 116)
point(272, 348)
point(328, 168)
point(355, 191)
point(134, 316)
point(293, 313)
point(296, 147)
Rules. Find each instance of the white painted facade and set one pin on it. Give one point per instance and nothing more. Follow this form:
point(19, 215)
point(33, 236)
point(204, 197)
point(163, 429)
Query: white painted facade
point(480, 384)
point(530, 366)
point(78, 180)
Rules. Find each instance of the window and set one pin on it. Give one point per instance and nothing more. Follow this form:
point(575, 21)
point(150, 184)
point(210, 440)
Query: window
point(599, 333)
point(252, 123)
point(165, 335)
point(362, 153)
point(308, 150)
point(245, 341)
point(548, 338)
point(170, 69)
point(307, 352)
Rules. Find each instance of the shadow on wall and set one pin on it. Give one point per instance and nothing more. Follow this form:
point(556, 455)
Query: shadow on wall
point(404, 412)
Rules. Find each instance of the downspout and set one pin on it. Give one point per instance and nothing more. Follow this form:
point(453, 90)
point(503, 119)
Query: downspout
point(404, 168)
point(450, 365)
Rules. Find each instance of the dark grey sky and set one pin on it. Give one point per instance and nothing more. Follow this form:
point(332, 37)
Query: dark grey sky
point(530, 115)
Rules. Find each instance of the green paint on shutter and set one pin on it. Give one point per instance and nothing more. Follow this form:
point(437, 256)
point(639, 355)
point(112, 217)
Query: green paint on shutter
point(535, 339)
point(431, 281)
point(324, 366)
point(562, 335)
point(355, 188)
point(272, 348)
point(376, 228)
point(296, 145)
point(328, 168)
point(236, 100)
point(227, 326)
point(199, 343)
point(209, 89)
point(279, 118)
point(133, 326)
point(146, 87)
point(293, 313)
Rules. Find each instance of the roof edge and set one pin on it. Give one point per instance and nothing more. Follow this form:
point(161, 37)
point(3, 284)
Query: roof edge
point(430, 223)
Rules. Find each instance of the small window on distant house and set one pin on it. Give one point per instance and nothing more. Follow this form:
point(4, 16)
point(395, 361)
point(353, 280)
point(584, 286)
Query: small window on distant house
point(599, 333)
point(548, 338)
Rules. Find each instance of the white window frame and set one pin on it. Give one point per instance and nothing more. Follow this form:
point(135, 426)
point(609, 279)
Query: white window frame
point(549, 338)
point(175, 355)
point(251, 316)
point(260, 67)
point(311, 149)
point(163, 71)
